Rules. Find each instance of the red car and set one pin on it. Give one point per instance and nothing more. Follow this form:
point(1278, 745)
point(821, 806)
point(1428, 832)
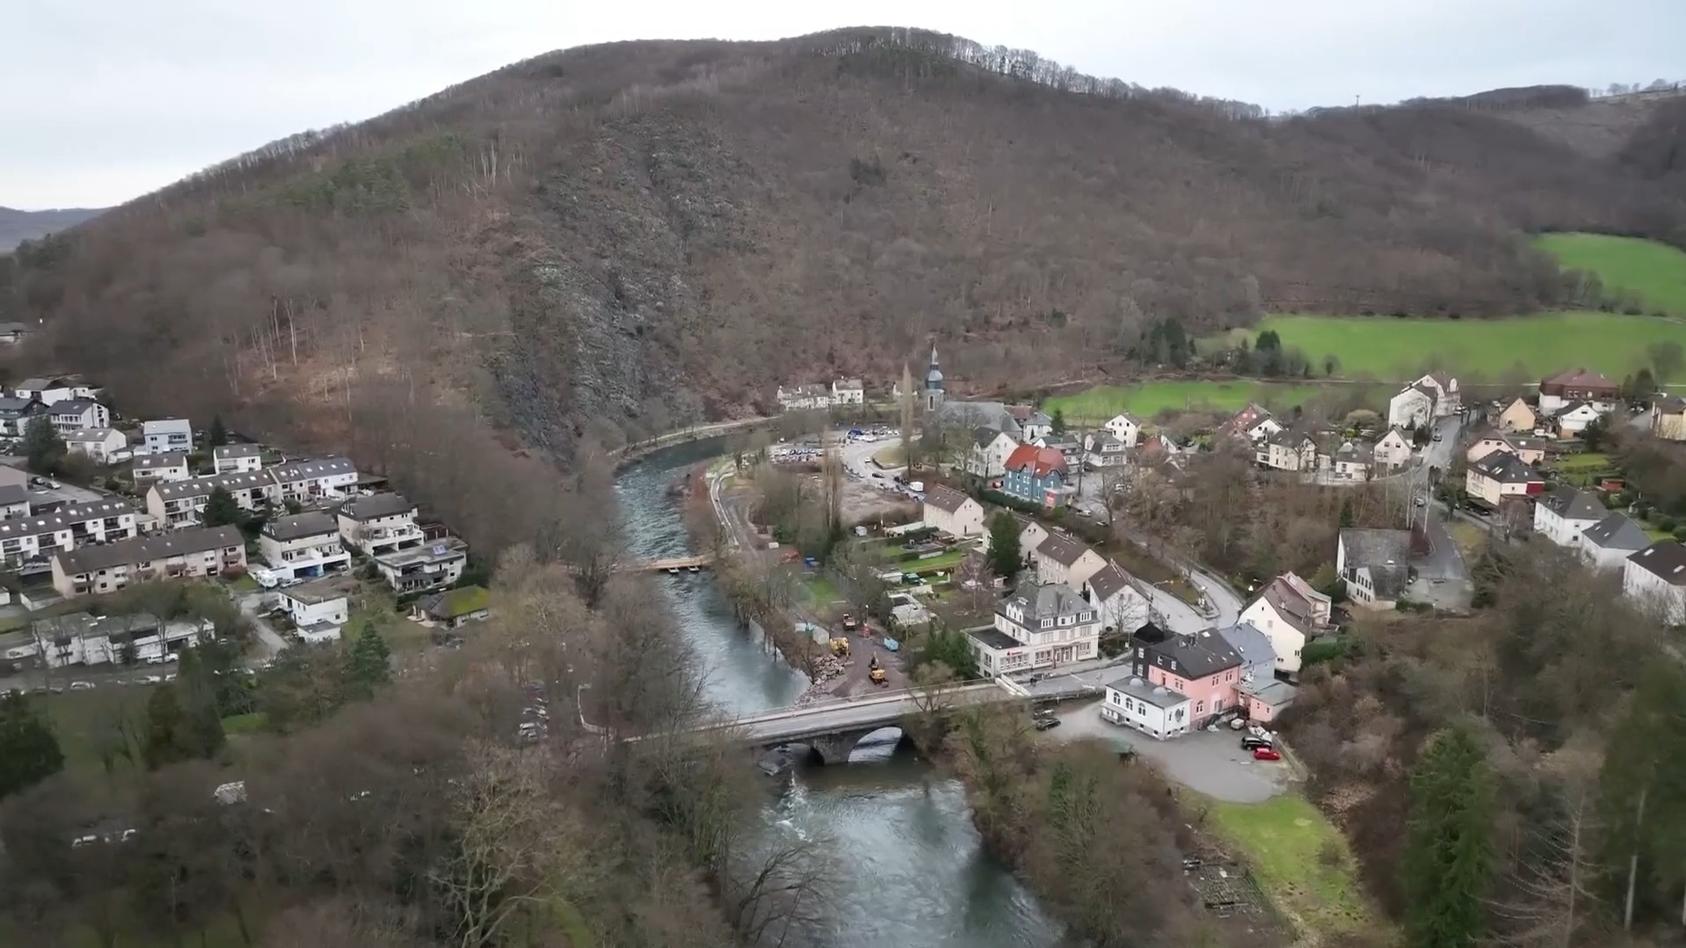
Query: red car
point(1265, 753)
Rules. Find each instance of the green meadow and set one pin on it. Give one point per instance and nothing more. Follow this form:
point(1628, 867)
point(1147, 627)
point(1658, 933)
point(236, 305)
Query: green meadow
point(1655, 272)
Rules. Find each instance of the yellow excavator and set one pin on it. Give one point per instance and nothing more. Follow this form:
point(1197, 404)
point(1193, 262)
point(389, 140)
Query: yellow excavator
point(876, 673)
point(840, 648)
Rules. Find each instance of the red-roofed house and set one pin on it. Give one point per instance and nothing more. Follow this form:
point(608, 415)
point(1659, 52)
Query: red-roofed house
point(1578, 385)
point(1036, 476)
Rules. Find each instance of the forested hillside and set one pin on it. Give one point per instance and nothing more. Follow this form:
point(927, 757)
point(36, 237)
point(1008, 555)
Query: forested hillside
point(608, 241)
point(18, 226)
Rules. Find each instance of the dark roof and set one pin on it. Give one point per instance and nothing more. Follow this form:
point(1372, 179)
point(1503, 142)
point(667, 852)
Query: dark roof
point(1150, 634)
point(983, 436)
point(1572, 407)
point(1572, 503)
point(940, 496)
point(1045, 601)
point(1671, 405)
point(1367, 547)
point(1062, 549)
point(17, 406)
point(147, 462)
point(237, 451)
point(1616, 532)
point(1290, 604)
point(13, 494)
point(145, 549)
point(298, 526)
point(63, 518)
point(456, 603)
point(1109, 581)
point(1193, 656)
point(994, 638)
point(1506, 468)
point(1579, 378)
point(1665, 559)
point(322, 590)
point(1146, 691)
point(376, 505)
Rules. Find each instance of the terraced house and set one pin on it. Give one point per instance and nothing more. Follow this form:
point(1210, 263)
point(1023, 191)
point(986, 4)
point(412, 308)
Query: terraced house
point(167, 466)
point(303, 546)
point(379, 523)
point(27, 543)
point(180, 504)
point(181, 554)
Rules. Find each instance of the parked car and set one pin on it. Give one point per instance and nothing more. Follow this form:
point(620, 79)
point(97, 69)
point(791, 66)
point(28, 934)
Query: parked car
point(1046, 723)
point(81, 686)
point(1266, 753)
point(1254, 742)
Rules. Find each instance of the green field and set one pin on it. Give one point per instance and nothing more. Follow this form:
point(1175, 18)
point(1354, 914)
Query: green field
point(1301, 861)
point(1515, 348)
point(1147, 399)
point(1654, 271)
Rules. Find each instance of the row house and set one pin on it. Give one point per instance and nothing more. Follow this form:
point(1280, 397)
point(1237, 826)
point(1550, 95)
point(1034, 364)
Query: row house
point(178, 504)
point(179, 554)
point(166, 467)
point(303, 546)
point(32, 540)
point(15, 414)
point(236, 458)
point(379, 523)
point(72, 414)
point(314, 480)
point(423, 568)
point(1040, 625)
point(803, 397)
point(165, 435)
point(101, 445)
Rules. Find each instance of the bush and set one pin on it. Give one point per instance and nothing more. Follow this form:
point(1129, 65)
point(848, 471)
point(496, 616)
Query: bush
point(1680, 534)
point(1323, 650)
point(1666, 523)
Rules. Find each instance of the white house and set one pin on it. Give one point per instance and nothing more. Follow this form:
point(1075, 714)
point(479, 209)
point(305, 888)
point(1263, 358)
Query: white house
point(989, 452)
point(1393, 451)
point(1035, 423)
point(419, 569)
point(1500, 476)
point(14, 501)
point(848, 392)
point(1608, 543)
point(1064, 559)
point(379, 523)
point(165, 434)
point(237, 458)
point(1288, 611)
point(49, 391)
point(83, 639)
point(1286, 451)
point(1413, 407)
point(1529, 450)
point(30, 541)
point(1578, 385)
point(302, 546)
point(953, 513)
point(99, 444)
point(1572, 419)
point(178, 504)
point(320, 608)
point(1038, 626)
point(169, 466)
point(1374, 564)
point(803, 397)
point(1347, 460)
point(1563, 514)
point(1118, 598)
point(15, 414)
point(1655, 578)
point(72, 414)
point(313, 480)
point(1447, 399)
point(1253, 423)
point(1152, 709)
point(1106, 452)
point(1124, 428)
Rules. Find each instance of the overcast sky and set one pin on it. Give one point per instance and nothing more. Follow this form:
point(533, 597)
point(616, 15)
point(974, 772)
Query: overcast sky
point(109, 99)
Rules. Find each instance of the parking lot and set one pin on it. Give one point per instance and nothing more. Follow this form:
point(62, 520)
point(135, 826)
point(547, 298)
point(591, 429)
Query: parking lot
point(1209, 763)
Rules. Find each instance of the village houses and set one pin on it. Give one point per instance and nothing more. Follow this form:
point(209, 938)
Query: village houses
point(1655, 578)
point(1290, 613)
point(180, 554)
point(848, 392)
point(15, 414)
point(320, 608)
point(1607, 544)
point(1346, 460)
point(1562, 515)
point(166, 467)
point(1031, 535)
point(952, 513)
point(101, 445)
point(1517, 415)
point(1040, 625)
point(1578, 385)
point(177, 504)
point(1036, 476)
point(1393, 450)
point(1287, 450)
point(30, 541)
point(14, 501)
point(1573, 418)
point(1118, 596)
point(1500, 477)
point(419, 569)
point(73, 414)
point(1124, 428)
point(54, 389)
point(1155, 710)
point(379, 523)
point(1435, 395)
point(1668, 418)
point(1202, 666)
point(453, 608)
point(1528, 450)
point(1105, 453)
point(236, 458)
point(989, 452)
point(1252, 423)
point(79, 638)
point(1062, 558)
point(1374, 565)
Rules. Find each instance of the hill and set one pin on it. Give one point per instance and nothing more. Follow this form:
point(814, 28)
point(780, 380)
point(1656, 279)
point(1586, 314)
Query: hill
point(609, 241)
point(18, 226)
point(1654, 273)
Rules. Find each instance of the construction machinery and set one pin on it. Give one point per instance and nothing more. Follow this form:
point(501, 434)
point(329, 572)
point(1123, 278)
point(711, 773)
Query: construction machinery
point(877, 674)
point(840, 648)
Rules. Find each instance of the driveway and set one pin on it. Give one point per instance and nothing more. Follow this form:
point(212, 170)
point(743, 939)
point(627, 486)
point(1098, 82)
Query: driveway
point(269, 642)
point(1213, 764)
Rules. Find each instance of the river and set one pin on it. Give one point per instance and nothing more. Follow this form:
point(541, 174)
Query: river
point(911, 869)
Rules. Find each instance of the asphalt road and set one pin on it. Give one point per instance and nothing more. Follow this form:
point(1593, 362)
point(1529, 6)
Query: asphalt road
point(848, 714)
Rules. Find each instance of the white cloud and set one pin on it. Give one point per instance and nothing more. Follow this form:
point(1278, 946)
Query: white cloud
point(121, 98)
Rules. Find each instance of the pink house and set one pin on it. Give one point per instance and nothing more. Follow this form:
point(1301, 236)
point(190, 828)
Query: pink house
point(1202, 666)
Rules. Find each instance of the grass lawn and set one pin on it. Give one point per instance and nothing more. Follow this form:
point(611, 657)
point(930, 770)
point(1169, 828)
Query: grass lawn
point(893, 456)
point(1582, 469)
point(1150, 398)
point(81, 719)
point(1470, 539)
point(1518, 347)
point(1301, 861)
point(1655, 271)
point(821, 591)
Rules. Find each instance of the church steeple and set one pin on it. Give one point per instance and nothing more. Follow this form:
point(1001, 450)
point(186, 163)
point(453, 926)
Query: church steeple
point(933, 382)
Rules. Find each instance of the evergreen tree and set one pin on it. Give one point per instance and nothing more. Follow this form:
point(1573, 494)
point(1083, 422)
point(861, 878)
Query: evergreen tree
point(1346, 513)
point(1004, 558)
point(43, 449)
point(29, 752)
point(165, 726)
point(217, 435)
point(221, 510)
point(1059, 421)
point(1448, 846)
point(366, 662)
